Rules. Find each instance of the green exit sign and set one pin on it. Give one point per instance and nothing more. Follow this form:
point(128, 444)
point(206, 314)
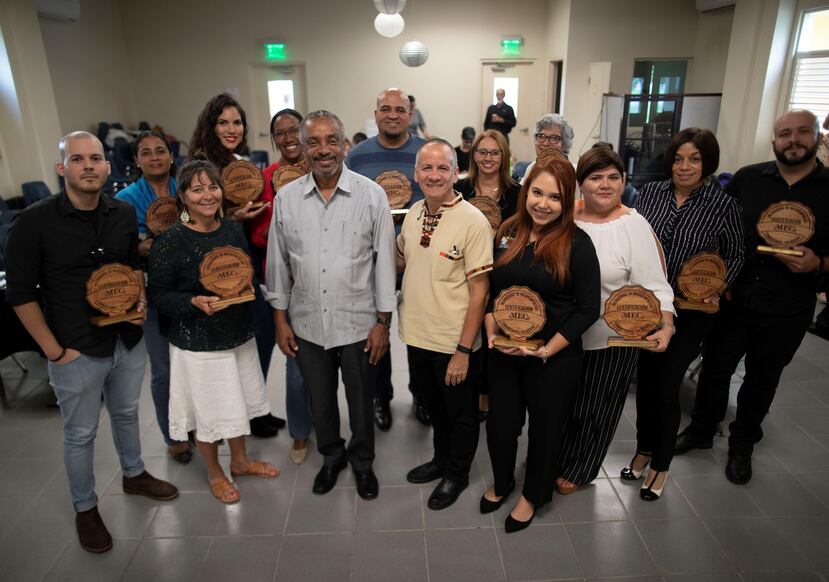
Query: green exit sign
point(275, 52)
point(511, 47)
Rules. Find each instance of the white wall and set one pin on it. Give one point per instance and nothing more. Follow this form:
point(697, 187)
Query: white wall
point(707, 68)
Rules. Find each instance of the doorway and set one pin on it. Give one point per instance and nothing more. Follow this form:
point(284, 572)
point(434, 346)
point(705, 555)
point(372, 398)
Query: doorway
point(274, 87)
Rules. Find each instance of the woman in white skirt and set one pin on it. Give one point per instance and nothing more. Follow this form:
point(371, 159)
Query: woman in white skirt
point(216, 383)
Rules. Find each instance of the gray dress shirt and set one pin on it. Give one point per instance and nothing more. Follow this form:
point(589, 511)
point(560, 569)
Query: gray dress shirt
point(331, 265)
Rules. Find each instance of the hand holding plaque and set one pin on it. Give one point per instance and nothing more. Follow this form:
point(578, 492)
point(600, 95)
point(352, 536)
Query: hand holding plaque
point(113, 289)
point(701, 277)
point(519, 312)
point(228, 273)
point(161, 215)
point(634, 313)
point(242, 182)
point(784, 225)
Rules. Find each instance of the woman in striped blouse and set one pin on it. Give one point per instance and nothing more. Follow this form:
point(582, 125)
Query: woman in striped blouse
point(690, 214)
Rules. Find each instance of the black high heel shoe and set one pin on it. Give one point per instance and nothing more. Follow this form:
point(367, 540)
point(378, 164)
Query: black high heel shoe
point(488, 506)
point(631, 474)
point(648, 493)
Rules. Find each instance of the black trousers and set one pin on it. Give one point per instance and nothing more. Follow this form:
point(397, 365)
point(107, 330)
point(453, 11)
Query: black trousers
point(320, 370)
point(522, 385)
point(453, 409)
point(769, 342)
point(595, 411)
point(657, 388)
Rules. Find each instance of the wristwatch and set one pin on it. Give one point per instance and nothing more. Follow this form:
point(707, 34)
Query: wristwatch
point(385, 322)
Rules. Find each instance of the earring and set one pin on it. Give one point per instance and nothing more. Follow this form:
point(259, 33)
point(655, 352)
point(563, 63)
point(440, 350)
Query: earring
point(184, 216)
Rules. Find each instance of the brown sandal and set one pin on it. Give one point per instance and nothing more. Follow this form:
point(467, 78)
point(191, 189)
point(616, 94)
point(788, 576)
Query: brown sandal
point(222, 489)
point(257, 469)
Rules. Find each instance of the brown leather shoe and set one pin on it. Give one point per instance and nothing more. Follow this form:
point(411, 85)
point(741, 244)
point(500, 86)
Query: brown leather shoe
point(92, 533)
point(147, 485)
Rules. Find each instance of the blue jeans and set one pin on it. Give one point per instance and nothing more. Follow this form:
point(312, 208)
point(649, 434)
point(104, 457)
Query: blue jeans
point(297, 402)
point(79, 386)
point(158, 349)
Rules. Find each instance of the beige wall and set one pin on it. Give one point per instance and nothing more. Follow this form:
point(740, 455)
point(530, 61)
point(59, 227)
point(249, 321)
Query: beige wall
point(707, 68)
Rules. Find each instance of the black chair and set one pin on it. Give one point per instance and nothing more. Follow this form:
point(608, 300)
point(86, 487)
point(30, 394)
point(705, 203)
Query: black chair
point(143, 126)
point(34, 191)
point(6, 213)
point(103, 129)
point(4, 236)
point(259, 158)
point(122, 158)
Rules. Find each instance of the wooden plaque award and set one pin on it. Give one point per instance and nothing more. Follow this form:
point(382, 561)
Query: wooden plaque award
point(397, 188)
point(702, 276)
point(634, 313)
point(286, 174)
point(161, 215)
point(113, 289)
point(242, 182)
point(227, 272)
point(519, 312)
point(783, 225)
point(489, 208)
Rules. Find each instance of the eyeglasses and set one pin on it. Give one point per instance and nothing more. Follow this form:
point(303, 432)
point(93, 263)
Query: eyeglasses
point(541, 138)
point(488, 153)
point(289, 133)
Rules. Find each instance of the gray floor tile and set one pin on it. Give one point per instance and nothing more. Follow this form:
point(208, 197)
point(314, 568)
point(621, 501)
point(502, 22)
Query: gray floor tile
point(396, 508)
point(819, 388)
point(814, 420)
point(464, 554)
point(782, 494)
point(168, 560)
point(381, 556)
point(50, 519)
point(538, 553)
point(801, 369)
point(392, 463)
point(762, 460)
point(252, 559)
point(683, 546)
point(27, 476)
point(12, 510)
point(708, 577)
point(781, 577)
point(315, 557)
point(696, 462)
point(595, 502)
point(671, 505)
point(610, 549)
point(128, 516)
point(189, 515)
point(27, 560)
point(715, 496)
point(756, 545)
point(78, 564)
point(793, 394)
point(258, 513)
point(818, 484)
point(462, 514)
point(800, 454)
point(809, 534)
point(329, 513)
point(13, 440)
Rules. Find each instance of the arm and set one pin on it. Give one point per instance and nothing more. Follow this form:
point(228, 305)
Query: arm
point(459, 363)
point(584, 273)
point(278, 281)
point(163, 270)
point(509, 118)
point(259, 226)
point(731, 241)
point(31, 316)
point(385, 296)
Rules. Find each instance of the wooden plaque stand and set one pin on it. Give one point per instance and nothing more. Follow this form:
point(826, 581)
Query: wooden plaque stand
point(242, 182)
point(702, 276)
point(228, 273)
point(784, 225)
point(634, 313)
point(113, 289)
point(520, 313)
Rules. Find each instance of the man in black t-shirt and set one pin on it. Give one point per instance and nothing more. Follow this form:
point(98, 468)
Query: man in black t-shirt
point(500, 116)
point(772, 301)
point(53, 248)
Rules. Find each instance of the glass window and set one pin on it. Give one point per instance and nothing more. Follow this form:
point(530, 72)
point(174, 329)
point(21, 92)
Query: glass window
point(280, 95)
point(510, 87)
point(810, 72)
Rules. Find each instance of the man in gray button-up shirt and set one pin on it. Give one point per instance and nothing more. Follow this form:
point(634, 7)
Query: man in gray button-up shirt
point(330, 277)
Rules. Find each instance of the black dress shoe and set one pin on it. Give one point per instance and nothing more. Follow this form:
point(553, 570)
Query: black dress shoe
point(259, 427)
point(367, 486)
point(738, 469)
point(488, 506)
point(422, 413)
point(690, 439)
point(382, 414)
point(424, 473)
point(327, 478)
point(446, 493)
point(512, 525)
point(275, 421)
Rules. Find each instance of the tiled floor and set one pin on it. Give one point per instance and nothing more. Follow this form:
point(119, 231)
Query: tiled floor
point(703, 529)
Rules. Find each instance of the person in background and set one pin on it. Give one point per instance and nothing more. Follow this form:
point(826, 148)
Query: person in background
point(500, 116)
point(463, 151)
point(416, 122)
point(630, 193)
point(552, 134)
point(358, 137)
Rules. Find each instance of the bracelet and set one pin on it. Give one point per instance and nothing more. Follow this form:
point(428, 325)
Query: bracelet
point(464, 350)
point(60, 356)
point(385, 322)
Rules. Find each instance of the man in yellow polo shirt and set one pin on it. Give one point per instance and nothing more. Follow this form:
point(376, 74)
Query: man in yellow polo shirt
point(445, 251)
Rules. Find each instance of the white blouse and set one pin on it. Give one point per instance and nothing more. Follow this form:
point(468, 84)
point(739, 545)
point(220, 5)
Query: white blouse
point(628, 254)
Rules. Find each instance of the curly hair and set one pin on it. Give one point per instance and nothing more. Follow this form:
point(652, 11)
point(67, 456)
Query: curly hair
point(205, 143)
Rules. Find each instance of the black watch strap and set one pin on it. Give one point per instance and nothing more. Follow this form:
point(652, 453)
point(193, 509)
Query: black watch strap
point(385, 322)
point(464, 350)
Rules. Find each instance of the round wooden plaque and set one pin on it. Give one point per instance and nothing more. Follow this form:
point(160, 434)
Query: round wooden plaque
point(226, 271)
point(242, 182)
point(786, 224)
point(519, 312)
point(161, 215)
point(397, 188)
point(633, 312)
point(285, 175)
point(113, 289)
point(702, 276)
point(488, 208)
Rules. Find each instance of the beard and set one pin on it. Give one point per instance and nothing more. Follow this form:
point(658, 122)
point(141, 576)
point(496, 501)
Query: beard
point(808, 155)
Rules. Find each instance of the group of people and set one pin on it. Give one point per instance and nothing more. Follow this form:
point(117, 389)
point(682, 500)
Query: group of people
point(332, 264)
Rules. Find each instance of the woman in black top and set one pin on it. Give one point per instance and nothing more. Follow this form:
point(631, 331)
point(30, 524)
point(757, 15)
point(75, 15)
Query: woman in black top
point(216, 385)
point(489, 177)
point(541, 248)
point(690, 214)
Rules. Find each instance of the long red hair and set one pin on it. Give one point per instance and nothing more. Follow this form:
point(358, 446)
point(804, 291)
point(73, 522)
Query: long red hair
point(553, 242)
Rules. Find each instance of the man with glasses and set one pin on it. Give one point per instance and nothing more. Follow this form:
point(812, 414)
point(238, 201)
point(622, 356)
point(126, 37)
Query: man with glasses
point(552, 133)
point(330, 278)
point(500, 116)
point(53, 248)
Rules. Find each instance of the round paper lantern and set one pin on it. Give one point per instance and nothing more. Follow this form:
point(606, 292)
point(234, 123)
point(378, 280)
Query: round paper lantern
point(390, 6)
point(389, 25)
point(414, 53)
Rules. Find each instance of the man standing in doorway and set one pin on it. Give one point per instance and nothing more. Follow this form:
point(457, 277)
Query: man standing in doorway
point(500, 116)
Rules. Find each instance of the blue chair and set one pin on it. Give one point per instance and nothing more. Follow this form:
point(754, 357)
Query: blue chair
point(259, 158)
point(6, 213)
point(34, 191)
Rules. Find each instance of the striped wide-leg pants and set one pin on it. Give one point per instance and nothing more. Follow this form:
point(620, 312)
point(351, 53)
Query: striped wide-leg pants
point(595, 410)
